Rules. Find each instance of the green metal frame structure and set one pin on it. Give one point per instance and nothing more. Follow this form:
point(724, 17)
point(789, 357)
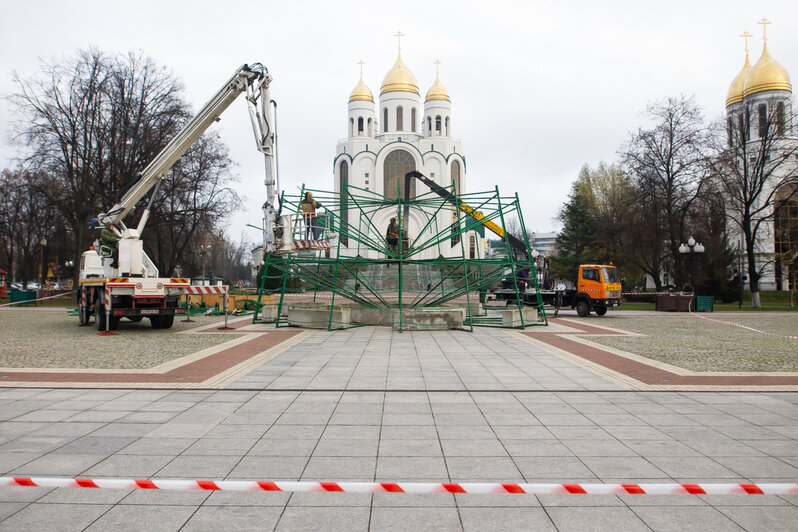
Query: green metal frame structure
point(369, 274)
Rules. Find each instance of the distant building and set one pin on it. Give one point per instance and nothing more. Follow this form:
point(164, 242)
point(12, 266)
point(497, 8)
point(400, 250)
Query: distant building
point(543, 243)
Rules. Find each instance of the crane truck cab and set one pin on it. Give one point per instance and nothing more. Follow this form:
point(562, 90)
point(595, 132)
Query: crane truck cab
point(598, 288)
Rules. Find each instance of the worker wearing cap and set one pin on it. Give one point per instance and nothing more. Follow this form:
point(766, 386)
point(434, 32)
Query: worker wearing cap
point(309, 206)
point(392, 235)
point(110, 239)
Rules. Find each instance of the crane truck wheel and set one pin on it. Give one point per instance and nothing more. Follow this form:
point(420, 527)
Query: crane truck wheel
point(601, 310)
point(99, 314)
point(582, 309)
point(156, 322)
point(167, 321)
point(83, 311)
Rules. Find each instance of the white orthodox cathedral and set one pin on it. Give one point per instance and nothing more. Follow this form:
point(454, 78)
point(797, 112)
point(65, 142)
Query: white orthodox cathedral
point(386, 140)
point(759, 98)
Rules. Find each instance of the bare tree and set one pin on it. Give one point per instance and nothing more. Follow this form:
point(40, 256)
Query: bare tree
point(667, 164)
point(754, 163)
point(93, 122)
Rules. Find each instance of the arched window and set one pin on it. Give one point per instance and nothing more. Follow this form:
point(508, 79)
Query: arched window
point(343, 188)
point(472, 247)
point(438, 125)
point(455, 178)
point(360, 125)
point(400, 119)
point(729, 130)
point(413, 120)
point(780, 118)
point(396, 165)
point(447, 126)
point(429, 125)
point(763, 120)
point(385, 120)
point(370, 129)
point(351, 127)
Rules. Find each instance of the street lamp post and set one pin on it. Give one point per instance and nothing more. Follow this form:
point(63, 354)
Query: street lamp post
point(691, 250)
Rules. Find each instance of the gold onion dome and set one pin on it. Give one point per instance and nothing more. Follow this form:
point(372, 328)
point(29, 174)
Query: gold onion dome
point(766, 75)
point(736, 88)
point(361, 92)
point(399, 78)
point(437, 92)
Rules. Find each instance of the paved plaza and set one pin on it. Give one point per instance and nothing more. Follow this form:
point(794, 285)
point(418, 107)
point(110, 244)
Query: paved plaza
point(560, 404)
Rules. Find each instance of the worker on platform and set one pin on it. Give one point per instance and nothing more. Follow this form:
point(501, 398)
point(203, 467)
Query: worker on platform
point(110, 238)
point(392, 235)
point(309, 206)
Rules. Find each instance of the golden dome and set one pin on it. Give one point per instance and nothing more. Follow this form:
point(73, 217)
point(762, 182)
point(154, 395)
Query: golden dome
point(399, 78)
point(437, 92)
point(766, 75)
point(736, 88)
point(361, 92)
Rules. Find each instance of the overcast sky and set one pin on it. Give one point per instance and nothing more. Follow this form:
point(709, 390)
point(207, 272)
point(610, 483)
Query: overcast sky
point(537, 89)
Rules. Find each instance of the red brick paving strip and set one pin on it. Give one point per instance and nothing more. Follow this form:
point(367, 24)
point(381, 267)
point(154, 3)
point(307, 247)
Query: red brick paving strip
point(197, 371)
point(643, 372)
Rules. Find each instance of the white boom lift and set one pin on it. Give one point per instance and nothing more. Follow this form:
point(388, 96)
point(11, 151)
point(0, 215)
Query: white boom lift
point(133, 289)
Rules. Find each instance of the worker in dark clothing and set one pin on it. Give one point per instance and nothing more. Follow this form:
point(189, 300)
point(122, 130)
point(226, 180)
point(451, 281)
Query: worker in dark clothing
point(110, 239)
point(309, 206)
point(392, 235)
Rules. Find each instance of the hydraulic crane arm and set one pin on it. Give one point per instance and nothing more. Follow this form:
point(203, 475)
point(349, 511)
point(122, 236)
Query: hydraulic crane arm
point(254, 80)
point(516, 243)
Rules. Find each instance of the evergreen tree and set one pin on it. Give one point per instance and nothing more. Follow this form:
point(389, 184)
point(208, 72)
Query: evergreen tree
point(576, 242)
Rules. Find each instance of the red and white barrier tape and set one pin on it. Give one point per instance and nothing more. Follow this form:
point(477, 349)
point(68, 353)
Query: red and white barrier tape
point(408, 487)
point(199, 289)
point(39, 299)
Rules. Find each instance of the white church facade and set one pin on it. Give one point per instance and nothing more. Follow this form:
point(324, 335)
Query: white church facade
point(389, 138)
point(759, 101)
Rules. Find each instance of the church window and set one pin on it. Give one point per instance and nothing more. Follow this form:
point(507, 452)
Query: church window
point(385, 120)
point(360, 125)
point(447, 126)
point(429, 125)
point(351, 127)
point(413, 120)
point(472, 247)
point(397, 164)
point(438, 125)
point(763, 120)
point(780, 118)
point(370, 130)
point(400, 119)
point(344, 185)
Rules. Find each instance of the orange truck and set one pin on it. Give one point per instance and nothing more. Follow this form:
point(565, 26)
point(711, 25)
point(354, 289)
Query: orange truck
point(597, 289)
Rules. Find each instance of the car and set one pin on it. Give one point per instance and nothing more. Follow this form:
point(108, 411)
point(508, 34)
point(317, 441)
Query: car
point(16, 286)
point(33, 286)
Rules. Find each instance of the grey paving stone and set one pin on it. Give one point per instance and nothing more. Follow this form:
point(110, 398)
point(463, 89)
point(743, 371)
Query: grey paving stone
point(692, 467)
point(408, 432)
point(484, 519)
point(759, 467)
point(129, 465)
point(323, 519)
point(536, 448)
point(599, 448)
point(199, 467)
point(59, 464)
point(221, 446)
point(210, 517)
point(619, 519)
point(95, 445)
point(10, 508)
point(396, 468)
point(387, 518)
point(358, 468)
point(158, 446)
point(16, 494)
point(762, 519)
point(627, 467)
point(563, 468)
point(283, 447)
point(39, 516)
point(682, 518)
point(268, 468)
point(339, 447)
point(471, 448)
point(121, 517)
point(479, 468)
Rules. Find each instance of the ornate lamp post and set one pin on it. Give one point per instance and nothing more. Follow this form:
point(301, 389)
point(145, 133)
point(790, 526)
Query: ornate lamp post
point(691, 250)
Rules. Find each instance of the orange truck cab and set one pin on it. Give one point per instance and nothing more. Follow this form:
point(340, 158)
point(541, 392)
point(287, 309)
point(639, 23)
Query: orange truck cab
point(598, 289)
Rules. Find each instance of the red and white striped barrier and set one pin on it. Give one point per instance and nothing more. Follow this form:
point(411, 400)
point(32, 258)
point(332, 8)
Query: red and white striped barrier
point(311, 244)
point(199, 289)
point(408, 487)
